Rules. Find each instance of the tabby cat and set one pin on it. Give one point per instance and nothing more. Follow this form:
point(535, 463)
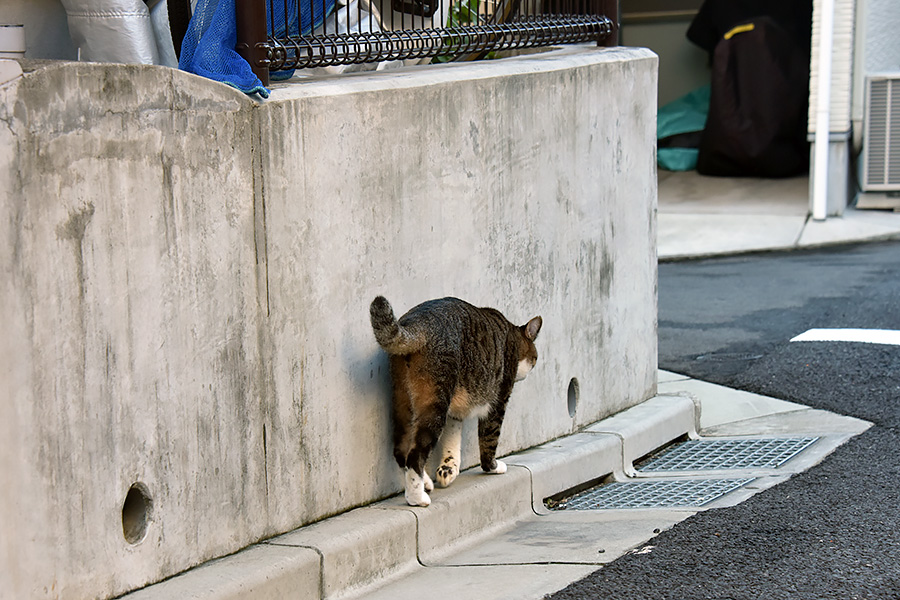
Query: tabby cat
point(449, 360)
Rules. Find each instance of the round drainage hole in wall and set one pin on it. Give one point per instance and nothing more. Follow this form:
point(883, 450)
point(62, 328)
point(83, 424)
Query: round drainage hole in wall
point(572, 396)
point(136, 513)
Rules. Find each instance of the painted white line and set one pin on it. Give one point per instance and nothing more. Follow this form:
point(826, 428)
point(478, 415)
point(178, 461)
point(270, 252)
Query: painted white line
point(867, 336)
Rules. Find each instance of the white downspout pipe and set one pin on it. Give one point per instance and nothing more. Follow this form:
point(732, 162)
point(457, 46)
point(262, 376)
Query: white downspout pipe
point(823, 112)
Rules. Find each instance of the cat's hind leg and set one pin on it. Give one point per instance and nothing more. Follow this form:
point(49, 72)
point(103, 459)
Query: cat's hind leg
point(450, 456)
point(418, 483)
point(403, 414)
point(423, 434)
point(431, 403)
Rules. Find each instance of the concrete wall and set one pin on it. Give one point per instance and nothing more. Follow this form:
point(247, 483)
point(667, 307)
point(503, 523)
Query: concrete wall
point(189, 272)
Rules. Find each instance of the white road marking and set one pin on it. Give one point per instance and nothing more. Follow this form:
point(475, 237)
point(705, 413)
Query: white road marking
point(867, 336)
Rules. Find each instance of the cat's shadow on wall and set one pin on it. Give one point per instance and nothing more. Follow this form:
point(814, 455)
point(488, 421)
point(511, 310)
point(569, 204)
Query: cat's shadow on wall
point(367, 367)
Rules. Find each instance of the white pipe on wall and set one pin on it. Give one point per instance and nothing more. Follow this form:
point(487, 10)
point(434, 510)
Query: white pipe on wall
point(823, 112)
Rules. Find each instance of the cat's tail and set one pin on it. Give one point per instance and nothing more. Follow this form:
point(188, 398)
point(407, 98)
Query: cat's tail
point(389, 334)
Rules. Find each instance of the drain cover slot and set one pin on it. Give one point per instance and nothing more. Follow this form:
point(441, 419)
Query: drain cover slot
point(651, 494)
point(710, 455)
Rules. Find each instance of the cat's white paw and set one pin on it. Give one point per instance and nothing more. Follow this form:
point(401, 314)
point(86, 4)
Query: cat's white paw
point(429, 485)
point(415, 493)
point(500, 469)
point(447, 472)
point(419, 498)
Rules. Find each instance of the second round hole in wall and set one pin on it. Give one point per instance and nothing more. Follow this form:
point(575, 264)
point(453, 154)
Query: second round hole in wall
point(572, 396)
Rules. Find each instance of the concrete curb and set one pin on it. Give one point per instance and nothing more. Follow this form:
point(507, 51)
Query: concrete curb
point(649, 425)
point(698, 235)
point(471, 509)
point(369, 546)
point(357, 548)
point(568, 462)
point(260, 571)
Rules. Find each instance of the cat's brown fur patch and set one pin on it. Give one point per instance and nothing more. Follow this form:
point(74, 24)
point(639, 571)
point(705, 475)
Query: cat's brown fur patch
point(461, 404)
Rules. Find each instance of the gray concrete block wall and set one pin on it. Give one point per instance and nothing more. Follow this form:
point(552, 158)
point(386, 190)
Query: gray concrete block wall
point(132, 316)
point(189, 274)
point(429, 189)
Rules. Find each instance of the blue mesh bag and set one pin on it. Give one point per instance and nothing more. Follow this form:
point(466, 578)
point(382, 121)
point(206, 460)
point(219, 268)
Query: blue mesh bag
point(208, 46)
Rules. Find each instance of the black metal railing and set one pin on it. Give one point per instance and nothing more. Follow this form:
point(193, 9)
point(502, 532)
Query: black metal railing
point(279, 36)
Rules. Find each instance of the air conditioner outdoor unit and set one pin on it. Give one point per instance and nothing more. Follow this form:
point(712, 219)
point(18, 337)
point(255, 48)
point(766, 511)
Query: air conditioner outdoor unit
point(881, 144)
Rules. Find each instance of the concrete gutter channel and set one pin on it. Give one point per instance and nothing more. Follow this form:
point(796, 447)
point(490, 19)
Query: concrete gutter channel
point(492, 536)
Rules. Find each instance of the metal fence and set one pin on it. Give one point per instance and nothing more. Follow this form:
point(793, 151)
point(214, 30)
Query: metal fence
point(278, 36)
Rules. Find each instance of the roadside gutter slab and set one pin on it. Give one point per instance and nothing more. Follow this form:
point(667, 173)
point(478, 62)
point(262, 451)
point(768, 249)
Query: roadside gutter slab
point(724, 405)
point(649, 425)
point(568, 462)
point(474, 507)
point(357, 547)
point(805, 421)
point(261, 572)
point(592, 537)
point(500, 582)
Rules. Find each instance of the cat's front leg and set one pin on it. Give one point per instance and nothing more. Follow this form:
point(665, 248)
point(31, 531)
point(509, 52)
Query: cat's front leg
point(450, 455)
point(488, 436)
point(499, 468)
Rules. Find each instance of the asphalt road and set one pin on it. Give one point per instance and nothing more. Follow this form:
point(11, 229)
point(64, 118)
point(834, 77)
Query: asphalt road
point(832, 531)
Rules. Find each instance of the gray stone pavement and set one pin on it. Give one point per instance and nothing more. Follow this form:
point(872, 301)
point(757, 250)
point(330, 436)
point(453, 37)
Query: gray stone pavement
point(492, 537)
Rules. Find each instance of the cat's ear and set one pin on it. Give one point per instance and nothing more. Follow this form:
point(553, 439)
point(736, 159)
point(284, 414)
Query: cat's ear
point(533, 327)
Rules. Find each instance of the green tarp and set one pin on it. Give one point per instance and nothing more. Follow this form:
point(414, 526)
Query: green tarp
point(678, 127)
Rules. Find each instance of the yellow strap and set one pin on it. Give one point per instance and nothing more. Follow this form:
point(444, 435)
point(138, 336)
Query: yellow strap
point(739, 29)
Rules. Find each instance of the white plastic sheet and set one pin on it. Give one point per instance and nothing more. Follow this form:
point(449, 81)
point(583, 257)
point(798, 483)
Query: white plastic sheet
point(123, 31)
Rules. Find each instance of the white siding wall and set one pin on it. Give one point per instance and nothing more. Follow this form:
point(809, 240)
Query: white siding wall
point(878, 46)
point(842, 63)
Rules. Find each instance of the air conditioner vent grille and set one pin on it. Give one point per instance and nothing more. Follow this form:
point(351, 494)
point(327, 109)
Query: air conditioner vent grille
point(881, 154)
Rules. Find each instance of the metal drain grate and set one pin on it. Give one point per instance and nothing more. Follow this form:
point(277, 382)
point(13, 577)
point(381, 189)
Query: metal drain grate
point(652, 494)
point(706, 455)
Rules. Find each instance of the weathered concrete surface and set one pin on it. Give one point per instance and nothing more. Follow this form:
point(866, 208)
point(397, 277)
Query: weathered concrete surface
point(131, 321)
point(529, 188)
point(188, 274)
